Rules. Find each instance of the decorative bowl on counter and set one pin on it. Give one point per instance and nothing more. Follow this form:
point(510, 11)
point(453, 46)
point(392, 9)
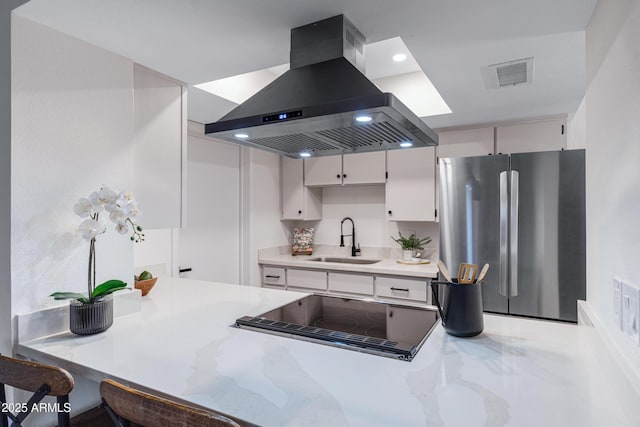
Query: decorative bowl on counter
point(145, 285)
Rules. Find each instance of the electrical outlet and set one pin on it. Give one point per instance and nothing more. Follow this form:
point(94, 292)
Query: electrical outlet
point(617, 302)
point(630, 312)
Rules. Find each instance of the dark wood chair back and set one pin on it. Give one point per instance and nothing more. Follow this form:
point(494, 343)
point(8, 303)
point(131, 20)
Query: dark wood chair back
point(127, 405)
point(41, 380)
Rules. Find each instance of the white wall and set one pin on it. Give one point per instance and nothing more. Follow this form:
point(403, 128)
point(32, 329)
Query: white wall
point(156, 252)
point(72, 131)
point(5, 173)
point(613, 152)
point(366, 206)
point(577, 127)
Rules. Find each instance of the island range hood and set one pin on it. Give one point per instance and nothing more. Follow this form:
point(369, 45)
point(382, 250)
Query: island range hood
point(324, 104)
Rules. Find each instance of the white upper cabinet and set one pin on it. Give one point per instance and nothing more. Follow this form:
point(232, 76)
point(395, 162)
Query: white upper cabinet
point(465, 143)
point(298, 201)
point(410, 189)
point(323, 171)
point(544, 135)
point(364, 168)
point(160, 129)
point(350, 169)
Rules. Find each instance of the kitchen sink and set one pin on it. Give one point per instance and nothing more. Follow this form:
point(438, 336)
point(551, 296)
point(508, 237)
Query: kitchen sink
point(345, 260)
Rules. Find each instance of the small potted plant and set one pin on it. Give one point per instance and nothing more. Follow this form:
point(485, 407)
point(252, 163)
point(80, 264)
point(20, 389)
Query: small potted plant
point(92, 312)
point(410, 244)
point(144, 282)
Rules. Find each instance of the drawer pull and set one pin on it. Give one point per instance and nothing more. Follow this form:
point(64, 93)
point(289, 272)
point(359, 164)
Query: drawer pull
point(400, 289)
point(268, 276)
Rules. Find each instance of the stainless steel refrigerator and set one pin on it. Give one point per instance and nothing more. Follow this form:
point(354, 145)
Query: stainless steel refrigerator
point(524, 215)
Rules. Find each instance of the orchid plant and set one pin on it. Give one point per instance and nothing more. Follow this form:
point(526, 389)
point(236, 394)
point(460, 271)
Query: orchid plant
point(122, 209)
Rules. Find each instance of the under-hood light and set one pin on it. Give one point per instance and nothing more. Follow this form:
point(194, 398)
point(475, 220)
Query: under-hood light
point(406, 144)
point(363, 119)
point(399, 57)
point(241, 135)
point(305, 154)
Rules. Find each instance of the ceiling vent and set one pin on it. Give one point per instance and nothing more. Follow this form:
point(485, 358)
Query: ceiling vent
point(508, 74)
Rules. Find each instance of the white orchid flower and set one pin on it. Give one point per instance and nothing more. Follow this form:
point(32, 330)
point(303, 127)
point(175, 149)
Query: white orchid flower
point(90, 228)
point(122, 208)
point(83, 208)
point(103, 198)
point(122, 228)
point(125, 195)
point(117, 216)
point(107, 195)
point(94, 198)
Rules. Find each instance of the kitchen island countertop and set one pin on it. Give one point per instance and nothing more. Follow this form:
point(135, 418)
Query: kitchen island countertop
point(518, 372)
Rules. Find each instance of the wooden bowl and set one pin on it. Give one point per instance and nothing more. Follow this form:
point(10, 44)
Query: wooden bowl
point(145, 285)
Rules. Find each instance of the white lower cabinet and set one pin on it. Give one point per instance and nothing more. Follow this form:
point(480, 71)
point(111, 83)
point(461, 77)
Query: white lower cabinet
point(357, 285)
point(404, 289)
point(273, 277)
point(307, 279)
point(361, 284)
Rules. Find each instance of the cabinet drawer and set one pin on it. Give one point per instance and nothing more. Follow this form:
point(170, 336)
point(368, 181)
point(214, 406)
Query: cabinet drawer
point(408, 289)
point(351, 283)
point(273, 276)
point(307, 279)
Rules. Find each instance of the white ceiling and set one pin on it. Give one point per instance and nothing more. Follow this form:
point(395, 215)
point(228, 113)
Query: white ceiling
point(202, 40)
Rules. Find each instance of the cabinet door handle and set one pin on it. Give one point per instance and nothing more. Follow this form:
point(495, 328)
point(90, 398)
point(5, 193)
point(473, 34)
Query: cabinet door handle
point(299, 212)
point(400, 289)
point(269, 276)
point(338, 176)
point(389, 212)
point(344, 175)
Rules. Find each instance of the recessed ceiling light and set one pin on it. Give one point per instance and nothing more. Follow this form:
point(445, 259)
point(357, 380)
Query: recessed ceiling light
point(241, 135)
point(363, 119)
point(399, 57)
point(305, 154)
point(406, 144)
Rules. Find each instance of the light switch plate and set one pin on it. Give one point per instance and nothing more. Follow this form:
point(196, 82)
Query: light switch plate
point(630, 311)
point(617, 302)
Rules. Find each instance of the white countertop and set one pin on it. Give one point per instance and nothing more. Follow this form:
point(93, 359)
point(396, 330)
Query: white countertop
point(387, 265)
point(518, 372)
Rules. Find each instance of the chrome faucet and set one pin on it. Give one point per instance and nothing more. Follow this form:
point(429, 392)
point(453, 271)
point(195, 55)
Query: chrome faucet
point(354, 251)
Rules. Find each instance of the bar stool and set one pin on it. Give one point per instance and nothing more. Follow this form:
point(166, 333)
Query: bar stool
point(41, 380)
point(126, 405)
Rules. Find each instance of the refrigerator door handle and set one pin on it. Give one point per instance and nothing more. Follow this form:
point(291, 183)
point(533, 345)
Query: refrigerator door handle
point(513, 233)
point(504, 217)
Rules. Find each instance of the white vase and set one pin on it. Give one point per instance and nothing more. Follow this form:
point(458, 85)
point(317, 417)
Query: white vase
point(407, 254)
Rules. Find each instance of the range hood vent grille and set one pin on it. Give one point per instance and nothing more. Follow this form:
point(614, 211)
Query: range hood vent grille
point(293, 144)
point(351, 139)
point(366, 135)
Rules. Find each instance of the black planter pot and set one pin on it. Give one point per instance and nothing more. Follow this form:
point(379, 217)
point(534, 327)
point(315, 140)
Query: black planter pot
point(90, 318)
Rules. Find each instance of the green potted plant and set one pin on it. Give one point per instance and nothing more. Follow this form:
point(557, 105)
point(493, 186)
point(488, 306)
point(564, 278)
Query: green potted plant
point(92, 312)
point(144, 282)
point(410, 244)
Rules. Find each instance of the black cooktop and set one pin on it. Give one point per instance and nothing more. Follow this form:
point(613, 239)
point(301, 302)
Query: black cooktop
point(384, 329)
